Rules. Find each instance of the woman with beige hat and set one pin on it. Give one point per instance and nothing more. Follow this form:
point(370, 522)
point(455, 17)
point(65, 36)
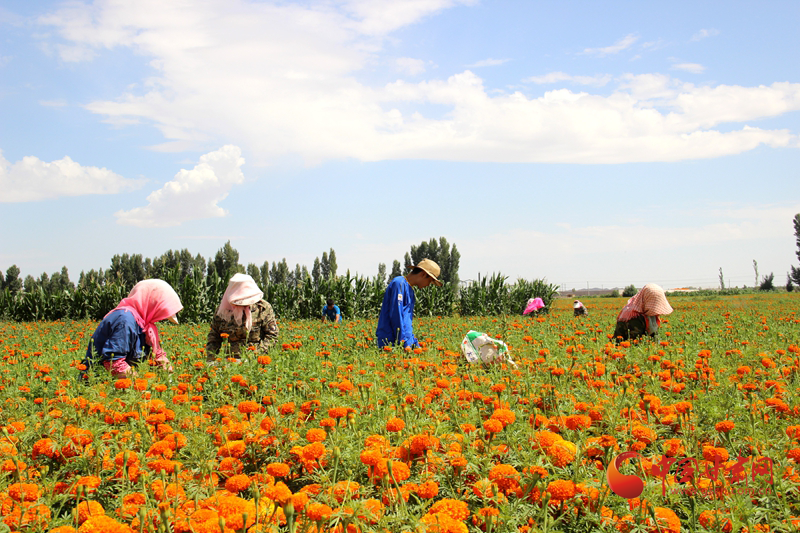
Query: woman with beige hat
point(397, 310)
point(641, 315)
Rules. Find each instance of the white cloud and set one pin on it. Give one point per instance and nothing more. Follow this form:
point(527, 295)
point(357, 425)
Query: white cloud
point(31, 180)
point(656, 252)
point(623, 44)
point(488, 63)
point(379, 17)
point(192, 194)
point(694, 68)
point(410, 66)
point(599, 80)
point(702, 34)
point(284, 79)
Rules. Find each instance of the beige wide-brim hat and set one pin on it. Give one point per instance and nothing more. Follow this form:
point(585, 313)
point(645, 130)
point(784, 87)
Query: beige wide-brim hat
point(430, 268)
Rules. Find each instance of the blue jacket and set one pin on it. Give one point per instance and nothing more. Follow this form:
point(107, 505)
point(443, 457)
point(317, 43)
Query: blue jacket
point(118, 336)
point(397, 311)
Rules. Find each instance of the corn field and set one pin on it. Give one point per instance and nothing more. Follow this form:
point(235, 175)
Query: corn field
point(356, 296)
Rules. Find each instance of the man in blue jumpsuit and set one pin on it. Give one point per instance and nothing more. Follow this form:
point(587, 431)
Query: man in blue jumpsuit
point(397, 309)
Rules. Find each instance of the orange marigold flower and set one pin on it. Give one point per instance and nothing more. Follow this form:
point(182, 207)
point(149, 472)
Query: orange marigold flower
point(505, 416)
point(103, 524)
point(123, 384)
point(725, 426)
point(46, 447)
point(666, 520)
point(318, 512)
point(578, 422)
point(314, 451)
point(90, 484)
point(24, 492)
point(371, 456)
point(337, 412)
point(237, 483)
point(230, 466)
point(712, 519)
point(278, 469)
point(505, 476)
point(710, 453)
point(643, 434)
point(345, 490)
point(277, 492)
point(561, 489)
point(286, 408)
point(233, 448)
point(395, 424)
point(428, 490)
point(316, 435)
point(493, 426)
point(248, 407)
point(442, 523)
point(455, 509)
point(87, 509)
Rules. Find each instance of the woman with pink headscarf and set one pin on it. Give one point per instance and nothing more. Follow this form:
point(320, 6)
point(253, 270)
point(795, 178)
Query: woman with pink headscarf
point(641, 315)
point(128, 335)
point(244, 318)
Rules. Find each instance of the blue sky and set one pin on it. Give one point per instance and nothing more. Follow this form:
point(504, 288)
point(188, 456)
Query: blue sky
point(584, 142)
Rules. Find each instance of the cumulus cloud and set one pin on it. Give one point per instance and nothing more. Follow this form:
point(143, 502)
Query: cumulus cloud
point(704, 33)
point(623, 44)
point(488, 63)
point(285, 79)
point(712, 238)
point(31, 180)
point(191, 194)
point(555, 77)
point(410, 66)
point(694, 68)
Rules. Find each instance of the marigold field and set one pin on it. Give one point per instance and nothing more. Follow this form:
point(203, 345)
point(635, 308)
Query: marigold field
point(326, 433)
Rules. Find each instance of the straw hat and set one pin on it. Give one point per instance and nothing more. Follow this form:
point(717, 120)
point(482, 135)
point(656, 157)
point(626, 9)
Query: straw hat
point(430, 268)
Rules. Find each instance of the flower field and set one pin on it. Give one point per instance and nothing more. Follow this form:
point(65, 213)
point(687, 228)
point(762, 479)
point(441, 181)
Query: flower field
point(326, 433)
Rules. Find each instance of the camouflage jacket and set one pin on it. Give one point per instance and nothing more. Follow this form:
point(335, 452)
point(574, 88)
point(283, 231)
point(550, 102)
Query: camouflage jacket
point(635, 328)
point(263, 335)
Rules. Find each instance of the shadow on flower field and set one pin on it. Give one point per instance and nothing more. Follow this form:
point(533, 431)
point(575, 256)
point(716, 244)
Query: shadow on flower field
point(326, 433)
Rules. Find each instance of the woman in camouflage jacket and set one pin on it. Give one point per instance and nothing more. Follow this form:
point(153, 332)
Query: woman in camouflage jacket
point(244, 318)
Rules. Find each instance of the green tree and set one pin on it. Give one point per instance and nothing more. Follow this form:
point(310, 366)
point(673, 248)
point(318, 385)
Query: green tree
point(794, 272)
point(264, 283)
point(13, 283)
point(316, 272)
point(280, 273)
point(381, 272)
point(629, 291)
point(325, 267)
point(254, 272)
point(445, 255)
point(396, 270)
point(29, 284)
point(332, 264)
point(767, 283)
point(226, 262)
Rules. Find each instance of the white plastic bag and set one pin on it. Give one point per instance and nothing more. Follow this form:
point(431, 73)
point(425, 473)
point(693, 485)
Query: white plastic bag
point(479, 347)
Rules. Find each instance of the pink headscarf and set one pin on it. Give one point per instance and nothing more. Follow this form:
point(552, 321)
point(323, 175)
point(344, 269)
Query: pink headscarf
point(241, 293)
point(650, 301)
point(149, 301)
point(534, 304)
